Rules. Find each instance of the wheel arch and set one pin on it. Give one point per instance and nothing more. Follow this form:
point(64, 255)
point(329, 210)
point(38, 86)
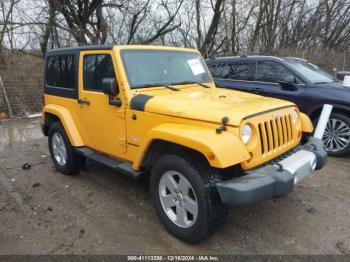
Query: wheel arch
point(217, 149)
point(48, 120)
point(315, 112)
point(340, 110)
point(158, 147)
point(53, 113)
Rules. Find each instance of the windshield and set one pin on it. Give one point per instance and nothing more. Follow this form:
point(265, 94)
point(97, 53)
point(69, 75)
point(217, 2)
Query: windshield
point(157, 67)
point(310, 71)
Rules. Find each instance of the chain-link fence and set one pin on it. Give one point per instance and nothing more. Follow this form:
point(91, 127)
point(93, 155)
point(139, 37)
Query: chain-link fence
point(4, 102)
point(20, 84)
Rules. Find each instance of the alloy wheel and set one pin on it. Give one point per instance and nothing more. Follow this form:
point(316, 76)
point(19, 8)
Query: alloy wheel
point(178, 199)
point(337, 135)
point(59, 149)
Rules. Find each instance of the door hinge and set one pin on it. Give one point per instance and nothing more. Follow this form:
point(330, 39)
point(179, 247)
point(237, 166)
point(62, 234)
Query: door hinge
point(122, 141)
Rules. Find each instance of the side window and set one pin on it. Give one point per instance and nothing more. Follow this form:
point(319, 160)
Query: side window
point(212, 67)
point(241, 70)
point(236, 70)
point(97, 67)
point(220, 70)
point(60, 71)
point(269, 71)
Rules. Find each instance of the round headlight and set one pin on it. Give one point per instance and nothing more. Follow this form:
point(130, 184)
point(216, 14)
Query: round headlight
point(295, 117)
point(246, 133)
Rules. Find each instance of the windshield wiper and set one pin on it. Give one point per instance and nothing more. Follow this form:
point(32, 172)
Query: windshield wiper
point(171, 88)
point(190, 82)
point(324, 82)
point(157, 85)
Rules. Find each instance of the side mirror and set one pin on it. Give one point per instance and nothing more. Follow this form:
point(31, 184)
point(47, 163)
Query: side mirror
point(110, 86)
point(288, 83)
point(288, 86)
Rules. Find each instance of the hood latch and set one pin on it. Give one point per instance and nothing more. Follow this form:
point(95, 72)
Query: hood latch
point(223, 127)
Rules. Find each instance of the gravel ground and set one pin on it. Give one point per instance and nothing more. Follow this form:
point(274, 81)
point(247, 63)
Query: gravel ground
point(102, 212)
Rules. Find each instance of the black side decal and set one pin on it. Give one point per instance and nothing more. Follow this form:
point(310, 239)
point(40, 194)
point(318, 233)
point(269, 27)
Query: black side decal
point(138, 102)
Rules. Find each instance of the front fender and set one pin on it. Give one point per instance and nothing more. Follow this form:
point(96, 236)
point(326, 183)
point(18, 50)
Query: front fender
point(221, 150)
point(306, 123)
point(67, 121)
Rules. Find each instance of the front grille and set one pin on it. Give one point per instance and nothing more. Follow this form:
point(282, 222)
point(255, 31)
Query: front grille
point(275, 133)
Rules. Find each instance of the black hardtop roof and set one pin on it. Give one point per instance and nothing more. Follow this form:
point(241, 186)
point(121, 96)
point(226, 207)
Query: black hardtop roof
point(69, 50)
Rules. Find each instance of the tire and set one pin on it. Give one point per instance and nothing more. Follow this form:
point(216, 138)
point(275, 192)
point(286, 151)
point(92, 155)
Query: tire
point(337, 142)
point(211, 212)
point(65, 159)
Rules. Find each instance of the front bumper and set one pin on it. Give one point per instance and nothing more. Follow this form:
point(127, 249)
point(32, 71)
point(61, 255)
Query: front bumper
point(276, 179)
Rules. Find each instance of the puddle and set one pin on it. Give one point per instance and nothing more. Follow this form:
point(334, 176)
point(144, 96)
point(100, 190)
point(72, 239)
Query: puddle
point(15, 132)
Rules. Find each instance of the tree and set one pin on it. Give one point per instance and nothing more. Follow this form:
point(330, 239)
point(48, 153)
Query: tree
point(49, 26)
point(85, 19)
point(6, 22)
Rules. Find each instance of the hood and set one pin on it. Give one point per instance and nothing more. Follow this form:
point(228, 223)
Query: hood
point(210, 105)
point(337, 85)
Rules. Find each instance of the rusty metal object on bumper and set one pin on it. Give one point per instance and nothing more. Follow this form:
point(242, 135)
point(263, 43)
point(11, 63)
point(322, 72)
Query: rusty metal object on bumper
point(272, 181)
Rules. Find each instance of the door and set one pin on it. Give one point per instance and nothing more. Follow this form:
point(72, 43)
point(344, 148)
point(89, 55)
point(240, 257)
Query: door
point(268, 76)
point(103, 124)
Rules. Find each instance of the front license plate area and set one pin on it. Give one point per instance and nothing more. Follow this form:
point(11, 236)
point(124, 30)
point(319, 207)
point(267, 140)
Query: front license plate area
point(300, 164)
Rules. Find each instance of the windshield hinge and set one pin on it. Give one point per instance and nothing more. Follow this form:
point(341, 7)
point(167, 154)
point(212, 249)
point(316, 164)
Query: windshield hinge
point(121, 114)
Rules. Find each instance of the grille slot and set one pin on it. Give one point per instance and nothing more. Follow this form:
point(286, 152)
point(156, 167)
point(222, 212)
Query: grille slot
point(275, 134)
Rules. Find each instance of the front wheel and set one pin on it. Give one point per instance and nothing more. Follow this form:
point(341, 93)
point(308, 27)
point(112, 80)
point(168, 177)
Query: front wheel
point(185, 197)
point(336, 137)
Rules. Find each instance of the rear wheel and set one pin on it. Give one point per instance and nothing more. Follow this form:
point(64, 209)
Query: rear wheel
point(65, 159)
point(185, 197)
point(336, 137)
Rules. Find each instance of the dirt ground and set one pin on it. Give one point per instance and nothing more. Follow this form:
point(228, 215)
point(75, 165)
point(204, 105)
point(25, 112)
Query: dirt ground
point(102, 212)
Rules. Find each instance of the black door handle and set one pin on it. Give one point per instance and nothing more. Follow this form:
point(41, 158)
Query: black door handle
point(83, 102)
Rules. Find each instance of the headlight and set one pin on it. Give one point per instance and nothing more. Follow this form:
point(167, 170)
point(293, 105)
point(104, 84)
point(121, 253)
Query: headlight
point(246, 133)
point(295, 117)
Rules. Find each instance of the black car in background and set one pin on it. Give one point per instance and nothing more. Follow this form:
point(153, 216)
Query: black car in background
point(293, 79)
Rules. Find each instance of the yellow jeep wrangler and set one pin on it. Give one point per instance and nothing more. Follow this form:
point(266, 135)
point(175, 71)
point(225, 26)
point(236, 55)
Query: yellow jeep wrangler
point(146, 110)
